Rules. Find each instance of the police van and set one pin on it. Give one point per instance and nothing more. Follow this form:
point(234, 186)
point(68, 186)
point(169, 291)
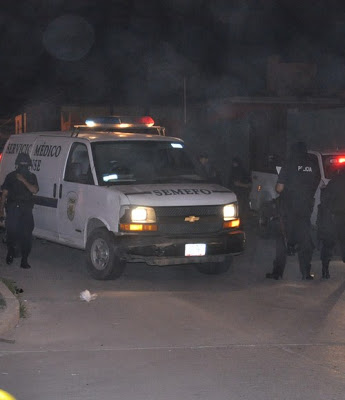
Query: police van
point(120, 189)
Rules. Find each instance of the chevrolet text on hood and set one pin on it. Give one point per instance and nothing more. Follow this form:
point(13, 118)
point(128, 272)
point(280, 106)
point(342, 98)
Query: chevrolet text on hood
point(120, 189)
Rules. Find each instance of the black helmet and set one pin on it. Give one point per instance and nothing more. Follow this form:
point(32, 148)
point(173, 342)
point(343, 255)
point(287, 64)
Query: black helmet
point(23, 159)
point(298, 148)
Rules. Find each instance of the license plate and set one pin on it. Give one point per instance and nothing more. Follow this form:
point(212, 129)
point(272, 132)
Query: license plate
point(195, 249)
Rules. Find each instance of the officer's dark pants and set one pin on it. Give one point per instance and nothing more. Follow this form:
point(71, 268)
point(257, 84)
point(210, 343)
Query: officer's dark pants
point(19, 227)
point(334, 234)
point(295, 229)
point(326, 251)
point(280, 259)
point(340, 229)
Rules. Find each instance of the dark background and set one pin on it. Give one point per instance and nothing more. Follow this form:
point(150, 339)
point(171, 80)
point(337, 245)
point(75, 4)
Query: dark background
point(142, 51)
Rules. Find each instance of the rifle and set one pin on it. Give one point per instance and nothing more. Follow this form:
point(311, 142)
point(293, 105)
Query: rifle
point(290, 248)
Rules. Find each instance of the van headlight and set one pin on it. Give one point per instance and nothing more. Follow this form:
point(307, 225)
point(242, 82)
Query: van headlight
point(230, 216)
point(230, 211)
point(138, 219)
point(143, 214)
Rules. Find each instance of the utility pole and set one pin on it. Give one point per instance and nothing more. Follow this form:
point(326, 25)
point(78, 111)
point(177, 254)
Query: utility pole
point(184, 100)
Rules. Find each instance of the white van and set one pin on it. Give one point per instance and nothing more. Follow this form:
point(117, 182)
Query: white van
point(123, 192)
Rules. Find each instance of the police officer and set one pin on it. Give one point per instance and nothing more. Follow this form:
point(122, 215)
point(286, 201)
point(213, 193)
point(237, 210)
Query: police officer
point(331, 219)
point(297, 183)
point(206, 169)
point(17, 198)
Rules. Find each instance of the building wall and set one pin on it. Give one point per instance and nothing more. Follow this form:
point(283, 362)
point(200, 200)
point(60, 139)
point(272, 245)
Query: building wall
point(290, 79)
point(321, 129)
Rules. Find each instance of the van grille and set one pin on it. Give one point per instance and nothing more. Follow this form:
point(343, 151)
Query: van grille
point(171, 220)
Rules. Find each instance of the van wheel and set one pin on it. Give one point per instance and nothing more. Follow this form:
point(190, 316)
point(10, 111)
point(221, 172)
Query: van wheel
point(103, 262)
point(214, 268)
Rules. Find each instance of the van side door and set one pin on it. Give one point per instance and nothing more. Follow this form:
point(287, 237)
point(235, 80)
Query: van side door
point(76, 196)
point(48, 158)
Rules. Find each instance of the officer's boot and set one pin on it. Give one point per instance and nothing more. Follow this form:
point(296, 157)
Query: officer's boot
point(277, 272)
point(24, 263)
point(325, 270)
point(10, 255)
point(306, 275)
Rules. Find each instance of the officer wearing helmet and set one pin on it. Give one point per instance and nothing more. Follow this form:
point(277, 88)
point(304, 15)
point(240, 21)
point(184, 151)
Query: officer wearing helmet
point(297, 183)
point(17, 198)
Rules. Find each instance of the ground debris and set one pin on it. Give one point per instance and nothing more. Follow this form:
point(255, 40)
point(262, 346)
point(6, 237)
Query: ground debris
point(87, 296)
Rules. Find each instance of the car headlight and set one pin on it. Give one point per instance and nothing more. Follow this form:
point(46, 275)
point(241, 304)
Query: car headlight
point(143, 215)
point(230, 211)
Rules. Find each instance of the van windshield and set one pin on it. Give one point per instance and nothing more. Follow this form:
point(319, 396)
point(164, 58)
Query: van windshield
point(127, 162)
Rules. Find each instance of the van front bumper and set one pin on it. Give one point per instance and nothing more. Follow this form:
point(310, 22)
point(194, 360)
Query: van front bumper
point(161, 251)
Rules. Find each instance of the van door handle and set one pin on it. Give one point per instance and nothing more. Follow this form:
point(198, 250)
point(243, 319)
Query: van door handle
point(60, 191)
point(54, 191)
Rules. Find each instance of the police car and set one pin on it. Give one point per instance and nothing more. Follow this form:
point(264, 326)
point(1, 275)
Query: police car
point(263, 188)
point(120, 189)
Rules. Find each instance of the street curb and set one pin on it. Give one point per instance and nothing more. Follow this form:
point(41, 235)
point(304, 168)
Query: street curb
point(9, 316)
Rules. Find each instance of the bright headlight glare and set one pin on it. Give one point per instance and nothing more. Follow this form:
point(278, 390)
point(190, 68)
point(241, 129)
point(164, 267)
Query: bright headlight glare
point(229, 211)
point(143, 214)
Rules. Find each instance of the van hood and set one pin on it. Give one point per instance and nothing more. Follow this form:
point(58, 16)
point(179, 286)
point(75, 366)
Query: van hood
point(181, 194)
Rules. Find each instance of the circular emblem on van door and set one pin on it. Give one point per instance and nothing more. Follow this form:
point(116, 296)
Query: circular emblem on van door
point(71, 204)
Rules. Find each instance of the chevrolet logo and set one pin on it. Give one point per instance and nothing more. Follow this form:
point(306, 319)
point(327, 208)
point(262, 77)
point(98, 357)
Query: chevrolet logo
point(191, 218)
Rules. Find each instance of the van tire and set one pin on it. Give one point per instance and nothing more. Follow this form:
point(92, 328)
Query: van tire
point(103, 261)
point(214, 268)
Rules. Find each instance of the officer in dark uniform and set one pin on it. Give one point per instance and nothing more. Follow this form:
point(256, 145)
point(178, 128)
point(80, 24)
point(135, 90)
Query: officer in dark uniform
point(331, 219)
point(17, 198)
point(206, 169)
point(297, 183)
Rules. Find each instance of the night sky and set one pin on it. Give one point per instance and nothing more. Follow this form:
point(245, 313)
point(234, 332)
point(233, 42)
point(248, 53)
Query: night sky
point(140, 51)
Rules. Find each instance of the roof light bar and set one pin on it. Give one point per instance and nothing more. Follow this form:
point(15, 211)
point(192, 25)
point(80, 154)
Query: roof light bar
point(120, 122)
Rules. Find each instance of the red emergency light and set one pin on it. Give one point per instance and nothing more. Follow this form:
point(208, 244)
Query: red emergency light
point(337, 160)
point(146, 120)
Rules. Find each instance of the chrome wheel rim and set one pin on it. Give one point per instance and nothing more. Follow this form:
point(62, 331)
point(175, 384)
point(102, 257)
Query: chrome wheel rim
point(100, 254)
